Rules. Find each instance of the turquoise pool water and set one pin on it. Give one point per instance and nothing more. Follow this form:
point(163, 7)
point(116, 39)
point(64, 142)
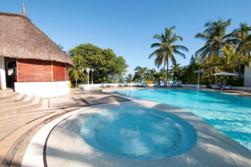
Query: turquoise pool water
point(228, 113)
point(138, 133)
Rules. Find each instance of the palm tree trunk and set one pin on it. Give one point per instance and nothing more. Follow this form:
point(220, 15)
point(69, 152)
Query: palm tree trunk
point(76, 82)
point(167, 70)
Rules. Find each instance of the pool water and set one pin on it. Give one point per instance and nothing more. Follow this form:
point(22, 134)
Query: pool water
point(229, 114)
point(138, 133)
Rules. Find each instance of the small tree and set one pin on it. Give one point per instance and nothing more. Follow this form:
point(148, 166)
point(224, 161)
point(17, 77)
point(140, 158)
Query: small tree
point(129, 78)
point(177, 72)
point(77, 70)
point(139, 74)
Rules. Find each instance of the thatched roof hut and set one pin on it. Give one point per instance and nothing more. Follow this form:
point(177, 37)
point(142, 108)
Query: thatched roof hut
point(30, 62)
point(20, 38)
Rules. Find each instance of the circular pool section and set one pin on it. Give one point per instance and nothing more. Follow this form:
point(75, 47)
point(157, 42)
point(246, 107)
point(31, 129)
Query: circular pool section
point(137, 133)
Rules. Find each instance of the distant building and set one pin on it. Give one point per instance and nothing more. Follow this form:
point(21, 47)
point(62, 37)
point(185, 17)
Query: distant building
point(247, 76)
point(30, 62)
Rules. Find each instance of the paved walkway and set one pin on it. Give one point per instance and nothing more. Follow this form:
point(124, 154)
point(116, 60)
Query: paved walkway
point(17, 128)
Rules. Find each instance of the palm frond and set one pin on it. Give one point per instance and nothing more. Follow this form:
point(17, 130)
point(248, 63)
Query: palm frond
point(153, 53)
point(179, 53)
point(203, 36)
point(155, 45)
point(181, 47)
point(201, 50)
point(159, 60)
point(173, 60)
point(159, 37)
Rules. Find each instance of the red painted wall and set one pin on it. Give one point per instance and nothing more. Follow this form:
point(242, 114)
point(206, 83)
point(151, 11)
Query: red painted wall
point(59, 72)
point(29, 70)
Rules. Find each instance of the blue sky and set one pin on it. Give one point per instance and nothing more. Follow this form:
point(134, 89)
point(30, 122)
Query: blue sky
point(127, 26)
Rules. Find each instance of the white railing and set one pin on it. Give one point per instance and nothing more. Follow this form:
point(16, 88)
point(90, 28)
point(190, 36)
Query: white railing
point(119, 85)
point(104, 85)
point(242, 88)
point(193, 86)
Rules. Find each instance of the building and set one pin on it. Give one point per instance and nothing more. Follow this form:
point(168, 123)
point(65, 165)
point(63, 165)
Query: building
point(247, 76)
point(30, 62)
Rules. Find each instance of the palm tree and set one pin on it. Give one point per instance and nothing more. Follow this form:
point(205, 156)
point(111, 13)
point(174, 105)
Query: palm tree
point(150, 75)
point(176, 71)
point(76, 70)
point(230, 60)
point(215, 39)
point(167, 48)
point(139, 73)
point(129, 78)
point(241, 38)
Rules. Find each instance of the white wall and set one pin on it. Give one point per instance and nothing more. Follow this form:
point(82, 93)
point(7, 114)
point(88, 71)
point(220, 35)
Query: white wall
point(98, 86)
point(43, 89)
point(2, 73)
point(118, 85)
point(247, 76)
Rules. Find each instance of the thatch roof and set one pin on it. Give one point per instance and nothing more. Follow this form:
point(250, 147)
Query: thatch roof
point(20, 38)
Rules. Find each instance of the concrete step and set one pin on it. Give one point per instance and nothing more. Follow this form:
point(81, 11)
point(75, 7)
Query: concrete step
point(15, 104)
point(6, 91)
point(4, 95)
point(28, 104)
point(13, 99)
point(17, 101)
point(11, 142)
point(14, 145)
point(35, 106)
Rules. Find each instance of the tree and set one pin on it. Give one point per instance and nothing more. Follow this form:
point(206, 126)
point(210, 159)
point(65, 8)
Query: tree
point(108, 67)
point(215, 39)
point(160, 76)
point(150, 75)
point(139, 74)
point(241, 39)
point(167, 48)
point(177, 72)
point(76, 70)
point(230, 60)
point(214, 36)
point(192, 70)
point(147, 75)
point(129, 78)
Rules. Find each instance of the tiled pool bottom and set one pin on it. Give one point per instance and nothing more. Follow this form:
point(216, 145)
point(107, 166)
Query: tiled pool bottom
point(137, 132)
point(229, 114)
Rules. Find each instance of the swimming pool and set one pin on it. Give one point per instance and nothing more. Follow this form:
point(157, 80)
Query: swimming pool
point(137, 132)
point(228, 113)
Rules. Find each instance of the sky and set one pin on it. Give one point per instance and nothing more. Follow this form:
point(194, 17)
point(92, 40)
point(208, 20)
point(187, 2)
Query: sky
point(127, 26)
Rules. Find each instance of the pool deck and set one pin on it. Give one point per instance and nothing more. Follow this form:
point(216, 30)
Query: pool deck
point(212, 148)
point(18, 127)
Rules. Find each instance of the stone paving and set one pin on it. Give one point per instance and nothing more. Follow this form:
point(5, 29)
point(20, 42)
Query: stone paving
point(212, 148)
point(17, 127)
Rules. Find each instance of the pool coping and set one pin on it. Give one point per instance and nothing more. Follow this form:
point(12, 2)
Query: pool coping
point(233, 92)
point(35, 156)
